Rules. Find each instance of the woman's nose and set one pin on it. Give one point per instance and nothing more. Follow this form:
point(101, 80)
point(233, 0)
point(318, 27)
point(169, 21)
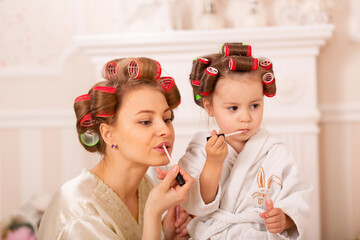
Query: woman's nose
point(164, 129)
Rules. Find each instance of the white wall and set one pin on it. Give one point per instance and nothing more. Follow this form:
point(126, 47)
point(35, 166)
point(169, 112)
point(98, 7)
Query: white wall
point(41, 72)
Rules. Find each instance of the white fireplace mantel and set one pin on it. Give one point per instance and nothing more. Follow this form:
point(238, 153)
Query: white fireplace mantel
point(292, 115)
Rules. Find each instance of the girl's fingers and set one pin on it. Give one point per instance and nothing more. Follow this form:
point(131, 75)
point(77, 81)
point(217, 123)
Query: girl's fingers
point(161, 173)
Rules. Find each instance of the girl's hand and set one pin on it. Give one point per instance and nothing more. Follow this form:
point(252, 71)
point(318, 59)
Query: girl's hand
point(175, 222)
point(216, 149)
point(168, 193)
point(276, 221)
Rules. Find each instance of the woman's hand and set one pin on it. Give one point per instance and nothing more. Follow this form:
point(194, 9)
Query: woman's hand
point(162, 197)
point(175, 222)
point(168, 193)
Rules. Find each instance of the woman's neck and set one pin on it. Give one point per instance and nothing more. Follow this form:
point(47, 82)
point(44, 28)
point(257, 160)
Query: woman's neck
point(123, 177)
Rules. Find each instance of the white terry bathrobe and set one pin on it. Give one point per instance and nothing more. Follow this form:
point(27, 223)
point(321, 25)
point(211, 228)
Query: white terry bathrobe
point(263, 167)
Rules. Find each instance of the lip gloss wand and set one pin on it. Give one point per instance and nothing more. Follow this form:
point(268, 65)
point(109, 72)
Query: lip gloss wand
point(179, 177)
point(226, 135)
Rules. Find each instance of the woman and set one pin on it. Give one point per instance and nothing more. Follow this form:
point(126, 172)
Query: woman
point(127, 119)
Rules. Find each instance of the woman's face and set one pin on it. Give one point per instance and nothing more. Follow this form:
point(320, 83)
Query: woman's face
point(143, 126)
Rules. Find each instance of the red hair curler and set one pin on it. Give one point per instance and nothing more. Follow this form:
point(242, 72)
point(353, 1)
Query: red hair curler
point(268, 78)
point(242, 49)
point(105, 89)
point(104, 115)
point(158, 70)
point(265, 63)
point(269, 95)
point(212, 71)
point(82, 98)
point(87, 121)
point(111, 71)
point(167, 83)
point(205, 93)
point(203, 60)
point(134, 68)
point(196, 82)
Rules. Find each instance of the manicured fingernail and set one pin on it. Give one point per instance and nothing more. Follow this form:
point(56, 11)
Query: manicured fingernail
point(175, 168)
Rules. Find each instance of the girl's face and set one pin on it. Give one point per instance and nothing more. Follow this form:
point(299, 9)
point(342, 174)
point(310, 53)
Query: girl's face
point(143, 126)
point(237, 104)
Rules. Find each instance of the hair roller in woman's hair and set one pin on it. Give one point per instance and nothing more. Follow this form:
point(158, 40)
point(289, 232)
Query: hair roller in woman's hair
point(229, 49)
point(167, 83)
point(82, 98)
point(105, 89)
point(145, 68)
point(89, 138)
point(265, 63)
point(240, 63)
point(111, 71)
point(172, 93)
point(103, 100)
point(87, 121)
point(268, 78)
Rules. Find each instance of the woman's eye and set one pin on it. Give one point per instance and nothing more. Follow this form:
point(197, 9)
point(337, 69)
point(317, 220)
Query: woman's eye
point(254, 106)
point(168, 120)
point(233, 108)
point(145, 122)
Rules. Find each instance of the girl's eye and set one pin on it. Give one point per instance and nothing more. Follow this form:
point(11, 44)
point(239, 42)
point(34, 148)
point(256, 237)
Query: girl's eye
point(145, 122)
point(254, 106)
point(233, 108)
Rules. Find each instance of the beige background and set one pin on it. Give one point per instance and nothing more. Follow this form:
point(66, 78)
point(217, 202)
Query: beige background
point(41, 72)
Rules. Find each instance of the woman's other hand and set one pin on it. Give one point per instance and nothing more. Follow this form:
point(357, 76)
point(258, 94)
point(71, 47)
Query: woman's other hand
point(175, 222)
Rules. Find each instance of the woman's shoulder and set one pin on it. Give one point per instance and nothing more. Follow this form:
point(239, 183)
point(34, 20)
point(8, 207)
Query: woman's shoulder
point(72, 201)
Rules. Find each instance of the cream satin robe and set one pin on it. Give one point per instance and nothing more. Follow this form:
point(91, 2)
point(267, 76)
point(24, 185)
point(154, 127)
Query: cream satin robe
point(86, 208)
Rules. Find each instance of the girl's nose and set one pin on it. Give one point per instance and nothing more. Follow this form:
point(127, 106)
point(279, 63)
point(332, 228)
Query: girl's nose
point(244, 116)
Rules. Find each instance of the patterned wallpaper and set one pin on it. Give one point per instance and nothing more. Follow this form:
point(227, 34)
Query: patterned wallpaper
point(34, 33)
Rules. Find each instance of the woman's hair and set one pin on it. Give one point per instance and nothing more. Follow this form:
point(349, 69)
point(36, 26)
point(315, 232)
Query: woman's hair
point(234, 60)
point(105, 98)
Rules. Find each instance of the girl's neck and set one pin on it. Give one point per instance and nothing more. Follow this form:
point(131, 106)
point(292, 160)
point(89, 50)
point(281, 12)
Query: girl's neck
point(123, 177)
point(238, 146)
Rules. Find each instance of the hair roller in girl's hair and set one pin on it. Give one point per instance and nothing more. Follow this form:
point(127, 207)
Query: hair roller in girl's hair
point(269, 84)
point(268, 78)
point(199, 65)
point(208, 80)
point(229, 49)
point(265, 63)
point(240, 63)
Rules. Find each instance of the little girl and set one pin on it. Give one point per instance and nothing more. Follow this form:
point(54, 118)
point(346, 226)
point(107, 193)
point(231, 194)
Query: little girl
point(247, 185)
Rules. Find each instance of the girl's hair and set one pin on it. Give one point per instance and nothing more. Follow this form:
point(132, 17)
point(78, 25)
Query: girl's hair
point(234, 60)
point(105, 98)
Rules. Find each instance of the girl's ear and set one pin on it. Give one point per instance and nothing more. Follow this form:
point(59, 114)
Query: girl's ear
point(207, 106)
point(106, 133)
